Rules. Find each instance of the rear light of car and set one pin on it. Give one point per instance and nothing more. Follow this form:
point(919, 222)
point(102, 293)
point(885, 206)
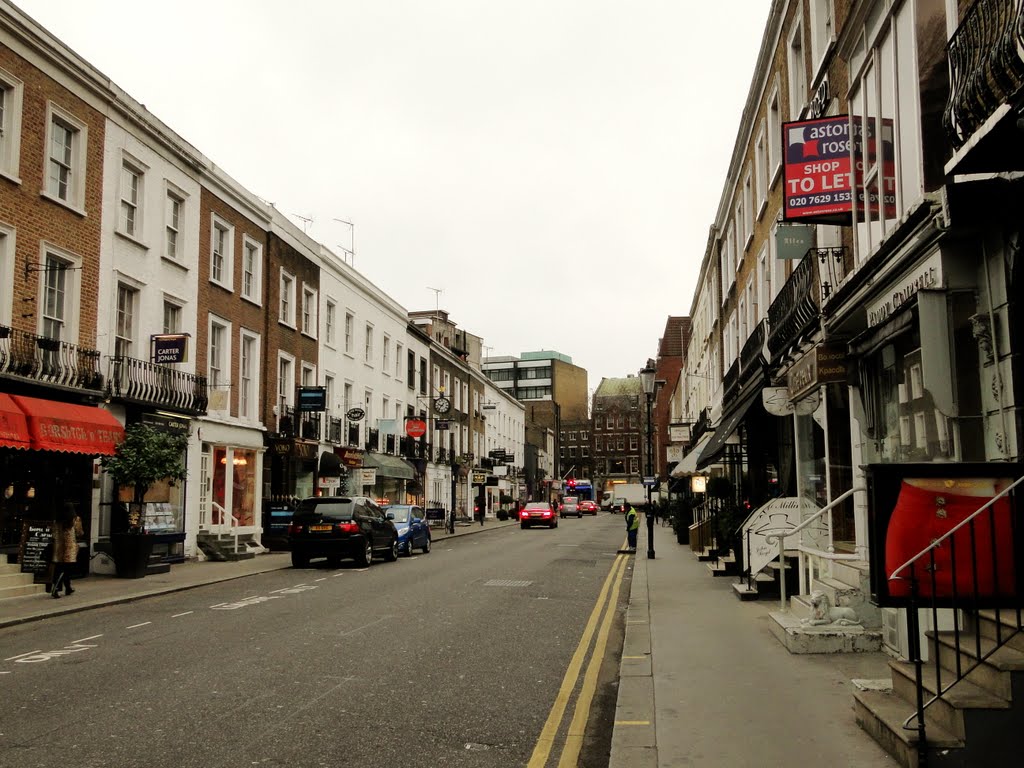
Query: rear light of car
point(523, 513)
point(547, 513)
point(294, 529)
point(347, 527)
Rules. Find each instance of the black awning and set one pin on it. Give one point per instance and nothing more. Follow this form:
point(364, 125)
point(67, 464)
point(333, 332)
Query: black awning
point(726, 427)
point(330, 465)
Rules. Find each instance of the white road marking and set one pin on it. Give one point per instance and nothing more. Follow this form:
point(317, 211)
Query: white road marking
point(136, 626)
point(12, 658)
point(336, 575)
point(365, 626)
point(177, 615)
point(323, 579)
point(76, 642)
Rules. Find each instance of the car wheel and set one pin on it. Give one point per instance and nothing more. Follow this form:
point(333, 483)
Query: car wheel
point(300, 560)
point(426, 546)
point(392, 554)
point(366, 558)
point(408, 548)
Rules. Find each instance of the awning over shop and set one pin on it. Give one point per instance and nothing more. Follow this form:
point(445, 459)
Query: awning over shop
point(56, 426)
point(726, 428)
point(330, 464)
point(688, 466)
point(389, 466)
point(13, 426)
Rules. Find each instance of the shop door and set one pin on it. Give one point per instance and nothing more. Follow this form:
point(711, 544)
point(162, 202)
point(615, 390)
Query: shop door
point(204, 489)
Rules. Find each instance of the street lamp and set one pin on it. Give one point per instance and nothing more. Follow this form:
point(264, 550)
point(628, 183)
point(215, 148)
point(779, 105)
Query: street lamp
point(647, 382)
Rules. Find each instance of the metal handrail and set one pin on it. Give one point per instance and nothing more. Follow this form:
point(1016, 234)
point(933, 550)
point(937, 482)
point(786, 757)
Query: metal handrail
point(965, 522)
point(781, 538)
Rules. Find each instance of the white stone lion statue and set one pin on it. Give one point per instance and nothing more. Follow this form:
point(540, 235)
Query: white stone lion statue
point(823, 614)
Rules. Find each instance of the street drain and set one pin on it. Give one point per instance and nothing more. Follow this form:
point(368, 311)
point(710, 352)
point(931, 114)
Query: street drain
point(507, 583)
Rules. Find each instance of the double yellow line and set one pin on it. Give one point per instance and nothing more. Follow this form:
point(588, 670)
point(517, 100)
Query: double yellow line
point(578, 724)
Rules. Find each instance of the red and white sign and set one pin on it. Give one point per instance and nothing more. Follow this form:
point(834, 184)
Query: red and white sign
point(817, 169)
point(415, 427)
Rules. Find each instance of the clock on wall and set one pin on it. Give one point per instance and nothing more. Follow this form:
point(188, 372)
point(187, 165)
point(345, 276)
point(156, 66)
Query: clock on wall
point(442, 405)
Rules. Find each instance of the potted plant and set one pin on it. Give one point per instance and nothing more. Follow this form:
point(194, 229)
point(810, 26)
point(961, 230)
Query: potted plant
point(147, 455)
point(682, 518)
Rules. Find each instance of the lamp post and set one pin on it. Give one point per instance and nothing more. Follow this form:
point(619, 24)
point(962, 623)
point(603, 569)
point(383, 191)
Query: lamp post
point(647, 381)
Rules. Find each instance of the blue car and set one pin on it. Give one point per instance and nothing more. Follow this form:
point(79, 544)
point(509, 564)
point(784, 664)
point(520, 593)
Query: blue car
point(413, 531)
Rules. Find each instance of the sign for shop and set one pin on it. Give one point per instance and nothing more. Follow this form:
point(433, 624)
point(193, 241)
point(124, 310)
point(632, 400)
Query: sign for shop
point(479, 478)
point(927, 274)
point(351, 457)
point(778, 516)
point(415, 427)
point(330, 483)
point(368, 476)
point(793, 241)
point(312, 399)
point(825, 364)
point(679, 433)
point(36, 546)
point(169, 348)
point(355, 414)
point(816, 171)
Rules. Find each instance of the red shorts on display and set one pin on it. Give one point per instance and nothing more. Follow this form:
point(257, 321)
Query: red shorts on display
point(922, 516)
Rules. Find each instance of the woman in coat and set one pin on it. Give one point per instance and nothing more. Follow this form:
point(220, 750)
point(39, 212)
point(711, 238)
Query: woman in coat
point(66, 529)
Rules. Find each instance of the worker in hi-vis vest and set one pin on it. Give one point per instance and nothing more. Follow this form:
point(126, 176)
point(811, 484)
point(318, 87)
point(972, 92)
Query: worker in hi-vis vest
point(632, 526)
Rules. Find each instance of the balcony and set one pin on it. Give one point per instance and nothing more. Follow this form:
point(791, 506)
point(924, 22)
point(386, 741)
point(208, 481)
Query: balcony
point(752, 357)
point(49, 361)
point(159, 386)
point(302, 424)
point(986, 68)
point(797, 308)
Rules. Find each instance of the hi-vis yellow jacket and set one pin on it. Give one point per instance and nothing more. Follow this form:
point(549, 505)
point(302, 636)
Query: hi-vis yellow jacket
point(632, 519)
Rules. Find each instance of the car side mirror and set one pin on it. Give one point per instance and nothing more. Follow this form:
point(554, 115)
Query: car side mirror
point(391, 515)
point(417, 520)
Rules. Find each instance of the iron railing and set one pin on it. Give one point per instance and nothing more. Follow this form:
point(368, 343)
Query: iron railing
point(972, 566)
point(985, 65)
point(752, 358)
point(797, 305)
point(49, 361)
point(141, 381)
point(304, 424)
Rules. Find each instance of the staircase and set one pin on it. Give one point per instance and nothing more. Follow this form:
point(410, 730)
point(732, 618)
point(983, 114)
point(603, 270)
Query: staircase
point(228, 547)
point(847, 589)
point(767, 583)
point(14, 583)
point(978, 721)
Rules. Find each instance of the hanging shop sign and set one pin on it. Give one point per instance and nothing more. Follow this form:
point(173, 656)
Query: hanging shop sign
point(816, 171)
point(415, 427)
point(355, 414)
point(351, 457)
point(793, 241)
point(367, 476)
point(312, 399)
point(479, 477)
point(825, 364)
point(169, 348)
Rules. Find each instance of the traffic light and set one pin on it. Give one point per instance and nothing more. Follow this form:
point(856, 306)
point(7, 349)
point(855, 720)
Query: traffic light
point(572, 484)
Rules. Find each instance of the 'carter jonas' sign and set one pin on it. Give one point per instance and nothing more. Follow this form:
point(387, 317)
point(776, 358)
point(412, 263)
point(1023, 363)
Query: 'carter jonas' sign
point(927, 274)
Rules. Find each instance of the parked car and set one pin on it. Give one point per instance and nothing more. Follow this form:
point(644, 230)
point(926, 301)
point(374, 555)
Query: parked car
point(338, 527)
point(413, 531)
point(570, 506)
point(588, 507)
point(538, 513)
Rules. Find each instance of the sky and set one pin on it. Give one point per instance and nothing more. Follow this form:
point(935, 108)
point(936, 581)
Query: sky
point(546, 171)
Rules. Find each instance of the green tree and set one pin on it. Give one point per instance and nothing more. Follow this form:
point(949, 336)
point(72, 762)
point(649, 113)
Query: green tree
point(146, 456)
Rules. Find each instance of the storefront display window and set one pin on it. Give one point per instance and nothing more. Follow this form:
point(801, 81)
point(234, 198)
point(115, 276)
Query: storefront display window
point(243, 497)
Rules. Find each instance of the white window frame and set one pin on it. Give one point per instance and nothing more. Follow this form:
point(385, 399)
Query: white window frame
point(761, 171)
point(223, 369)
point(823, 32)
point(253, 294)
point(796, 70)
point(8, 247)
point(131, 202)
point(217, 224)
point(309, 307)
point(126, 325)
point(330, 323)
point(329, 382)
point(385, 356)
point(350, 321)
point(399, 361)
point(76, 165)
point(72, 290)
point(286, 285)
point(10, 126)
point(748, 211)
point(368, 346)
point(307, 374)
point(774, 135)
point(249, 386)
point(286, 396)
point(174, 228)
point(179, 311)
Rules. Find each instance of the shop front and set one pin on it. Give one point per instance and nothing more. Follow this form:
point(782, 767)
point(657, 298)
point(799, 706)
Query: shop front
point(231, 480)
point(289, 474)
point(393, 474)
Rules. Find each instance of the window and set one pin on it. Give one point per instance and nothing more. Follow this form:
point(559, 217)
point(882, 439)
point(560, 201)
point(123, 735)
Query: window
point(286, 309)
point(584, 452)
point(348, 396)
point(330, 318)
point(348, 332)
point(172, 228)
point(219, 354)
point(398, 360)
point(309, 321)
point(7, 238)
point(368, 350)
point(308, 378)
point(65, 159)
point(797, 72)
point(172, 317)
point(410, 369)
point(11, 89)
point(329, 393)
point(634, 465)
point(55, 297)
point(385, 362)
point(124, 326)
point(761, 171)
point(634, 444)
point(221, 255)
point(252, 270)
point(748, 211)
point(610, 421)
point(821, 30)
point(285, 381)
point(774, 136)
point(423, 376)
point(248, 370)
point(130, 219)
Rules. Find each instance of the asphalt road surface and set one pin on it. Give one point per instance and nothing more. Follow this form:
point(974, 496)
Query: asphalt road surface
point(495, 649)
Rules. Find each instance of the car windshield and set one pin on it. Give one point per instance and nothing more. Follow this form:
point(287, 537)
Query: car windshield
point(401, 514)
point(335, 509)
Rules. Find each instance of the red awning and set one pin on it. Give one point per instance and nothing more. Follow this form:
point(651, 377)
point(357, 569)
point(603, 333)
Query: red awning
point(56, 426)
point(13, 427)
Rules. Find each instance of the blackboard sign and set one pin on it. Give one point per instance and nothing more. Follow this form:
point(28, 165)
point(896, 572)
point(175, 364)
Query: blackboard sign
point(435, 514)
point(36, 546)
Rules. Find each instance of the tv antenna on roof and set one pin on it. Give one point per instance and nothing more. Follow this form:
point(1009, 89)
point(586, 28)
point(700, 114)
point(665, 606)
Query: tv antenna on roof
point(306, 221)
point(351, 250)
point(437, 299)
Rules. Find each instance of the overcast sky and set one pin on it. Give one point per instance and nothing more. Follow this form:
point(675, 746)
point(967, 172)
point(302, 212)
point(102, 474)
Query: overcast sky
point(553, 166)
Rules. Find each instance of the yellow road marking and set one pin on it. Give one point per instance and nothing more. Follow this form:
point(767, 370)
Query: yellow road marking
point(578, 726)
point(634, 657)
point(542, 749)
point(632, 722)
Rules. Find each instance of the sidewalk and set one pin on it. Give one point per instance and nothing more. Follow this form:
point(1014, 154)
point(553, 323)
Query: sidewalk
point(97, 590)
point(703, 682)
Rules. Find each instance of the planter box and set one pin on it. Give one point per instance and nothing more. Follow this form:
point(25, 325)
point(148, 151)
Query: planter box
point(131, 553)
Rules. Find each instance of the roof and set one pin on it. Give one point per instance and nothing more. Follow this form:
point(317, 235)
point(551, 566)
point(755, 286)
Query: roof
point(617, 387)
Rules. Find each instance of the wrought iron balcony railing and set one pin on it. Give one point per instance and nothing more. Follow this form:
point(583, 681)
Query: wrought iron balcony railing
point(304, 424)
point(49, 361)
point(752, 357)
point(797, 306)
point(146, 383)
point(986, 67)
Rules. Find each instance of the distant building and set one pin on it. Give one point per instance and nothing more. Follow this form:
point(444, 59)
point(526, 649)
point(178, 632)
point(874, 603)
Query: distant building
point(619, 431)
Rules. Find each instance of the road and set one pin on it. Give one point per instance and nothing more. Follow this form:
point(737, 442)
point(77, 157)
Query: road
point(477, 654)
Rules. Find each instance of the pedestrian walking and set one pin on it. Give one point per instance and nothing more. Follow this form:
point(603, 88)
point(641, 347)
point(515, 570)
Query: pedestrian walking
point(66, 530)
point(632, 525)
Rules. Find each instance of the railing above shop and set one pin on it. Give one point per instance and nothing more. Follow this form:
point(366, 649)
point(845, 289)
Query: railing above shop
point(752, 358)
point(160, 386)
point(986, 67)
point(49, 361)
point(304, 424)
point(797, 306)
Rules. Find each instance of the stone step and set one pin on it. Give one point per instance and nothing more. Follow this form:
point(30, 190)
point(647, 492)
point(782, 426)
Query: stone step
point(21, 590)
point(1005, 625)
point(856, 573)
point(800, 638)
point(882, 714)
point(994, 674)
point(842, 595)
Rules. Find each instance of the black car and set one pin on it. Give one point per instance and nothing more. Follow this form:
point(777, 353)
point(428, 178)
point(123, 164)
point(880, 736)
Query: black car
point(338, 527)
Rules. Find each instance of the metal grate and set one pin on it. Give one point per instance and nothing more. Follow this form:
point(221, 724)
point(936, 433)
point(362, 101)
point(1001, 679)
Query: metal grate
point(507, 583)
